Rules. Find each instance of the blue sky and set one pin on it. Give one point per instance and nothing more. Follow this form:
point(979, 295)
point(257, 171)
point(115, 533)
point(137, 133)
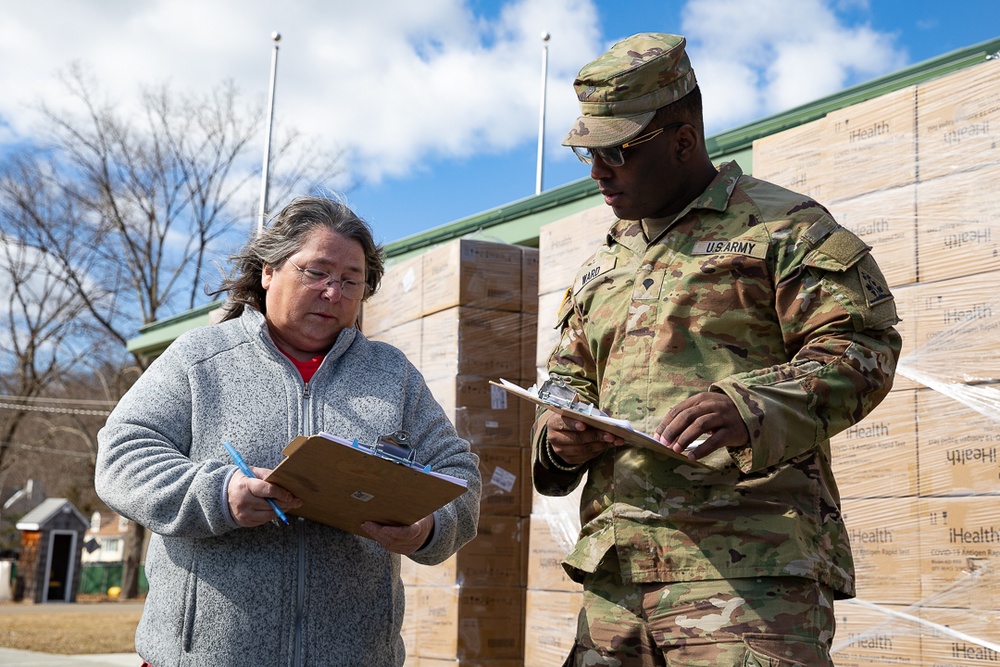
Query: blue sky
point(435, 104)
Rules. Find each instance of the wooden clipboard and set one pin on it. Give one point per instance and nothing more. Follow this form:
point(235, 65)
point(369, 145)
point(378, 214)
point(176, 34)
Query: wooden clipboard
point(343, 486)
point(626, 433)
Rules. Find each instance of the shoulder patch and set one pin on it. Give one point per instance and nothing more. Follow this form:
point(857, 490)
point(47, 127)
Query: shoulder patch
point(731, 247)
point(876, 288)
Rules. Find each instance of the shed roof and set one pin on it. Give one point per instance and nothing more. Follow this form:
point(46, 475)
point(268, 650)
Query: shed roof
point(46, 511)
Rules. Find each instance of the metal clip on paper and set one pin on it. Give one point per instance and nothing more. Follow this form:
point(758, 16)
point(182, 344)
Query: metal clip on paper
point(556, 392)
point(395, 447)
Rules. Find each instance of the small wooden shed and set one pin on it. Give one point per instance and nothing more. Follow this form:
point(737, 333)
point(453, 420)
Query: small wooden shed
point(51, 550)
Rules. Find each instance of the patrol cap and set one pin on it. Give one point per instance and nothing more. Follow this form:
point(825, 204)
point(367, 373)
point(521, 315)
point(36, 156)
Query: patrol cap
point(620, 91)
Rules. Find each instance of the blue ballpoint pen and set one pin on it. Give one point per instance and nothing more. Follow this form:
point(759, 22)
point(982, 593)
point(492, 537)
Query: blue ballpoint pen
point(245, 469)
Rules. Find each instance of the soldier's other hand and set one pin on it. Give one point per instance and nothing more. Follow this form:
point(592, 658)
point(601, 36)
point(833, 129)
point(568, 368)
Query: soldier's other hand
point(575, 442)
point(709, 415)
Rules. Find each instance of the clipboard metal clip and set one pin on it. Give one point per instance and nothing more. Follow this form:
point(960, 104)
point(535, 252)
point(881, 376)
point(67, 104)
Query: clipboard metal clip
point(556, 392)
point(395, 447)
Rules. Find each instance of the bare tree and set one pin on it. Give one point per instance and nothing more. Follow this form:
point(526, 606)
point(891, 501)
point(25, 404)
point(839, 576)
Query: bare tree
point(132, 208)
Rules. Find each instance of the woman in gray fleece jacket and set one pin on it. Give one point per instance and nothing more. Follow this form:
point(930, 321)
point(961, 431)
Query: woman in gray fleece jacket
point(229, 584)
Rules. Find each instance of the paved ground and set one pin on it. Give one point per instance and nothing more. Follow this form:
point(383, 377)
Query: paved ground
point(13, 658)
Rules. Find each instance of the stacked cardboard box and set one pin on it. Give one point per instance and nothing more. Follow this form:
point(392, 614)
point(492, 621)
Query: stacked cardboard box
point(911, 172)
point(466, 313)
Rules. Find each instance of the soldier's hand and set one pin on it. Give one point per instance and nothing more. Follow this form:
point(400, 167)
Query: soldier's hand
point(709, 415)
point(575, 442)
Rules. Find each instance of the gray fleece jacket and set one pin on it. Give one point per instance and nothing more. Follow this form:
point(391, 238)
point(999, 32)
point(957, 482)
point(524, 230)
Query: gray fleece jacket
point(274, 595)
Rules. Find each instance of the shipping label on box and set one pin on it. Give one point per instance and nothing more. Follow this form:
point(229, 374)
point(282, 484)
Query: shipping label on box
point(886, 221)
point(958, 446)
point(958, 228)
point(467, 272)
point(871, 145)
point(960, 552)
point(868, 636)
point(885, 541)
point(958, 120)
point(877, 457)
point(503, 480)
point(795, 159)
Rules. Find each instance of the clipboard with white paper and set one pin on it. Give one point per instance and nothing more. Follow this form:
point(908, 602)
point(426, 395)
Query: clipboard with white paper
point(572, 407)
point(344, 483)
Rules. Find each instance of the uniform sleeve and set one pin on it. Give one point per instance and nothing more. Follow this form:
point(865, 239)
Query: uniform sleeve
point(571, 360)
point(837, 317)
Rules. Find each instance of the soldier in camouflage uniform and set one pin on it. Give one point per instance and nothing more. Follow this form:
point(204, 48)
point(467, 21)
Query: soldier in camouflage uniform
point(737, 322)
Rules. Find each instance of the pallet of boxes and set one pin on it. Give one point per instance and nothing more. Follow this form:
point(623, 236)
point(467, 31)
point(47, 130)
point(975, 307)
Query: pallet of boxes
point(465, 313)
point(553, 598)
point(915, 174)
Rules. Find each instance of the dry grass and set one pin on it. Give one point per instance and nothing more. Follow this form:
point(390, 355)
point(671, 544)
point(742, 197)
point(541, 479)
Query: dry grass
point(65, 632)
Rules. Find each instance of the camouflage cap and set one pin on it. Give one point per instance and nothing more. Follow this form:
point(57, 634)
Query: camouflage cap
point(621, 90)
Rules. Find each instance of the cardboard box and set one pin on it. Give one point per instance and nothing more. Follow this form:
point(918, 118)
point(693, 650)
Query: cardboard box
point(877, 457)
point(529, 279)
point(959, 225)
point(547, 336)
point(495, 557)
point(467, 272)
point(407, 337)
point(958, 120)
point(867, 636)
point(960, 637)
point(550, 626)
point(506, 489)
point(887, 221)
point(871, 145)
point(957, 324)
point(398, 299)
point(958, 446)
point(469, 622)
point(471, 341)
point(906, 298)
point(554, 529)
point(795, 159)
point(885, 539)
point(564, 245)
point(960, 552)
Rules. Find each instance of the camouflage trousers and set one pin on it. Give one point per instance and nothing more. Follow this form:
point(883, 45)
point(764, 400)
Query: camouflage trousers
point(770, 621)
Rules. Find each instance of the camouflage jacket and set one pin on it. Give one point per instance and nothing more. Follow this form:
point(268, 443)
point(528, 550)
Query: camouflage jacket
point(756, 292)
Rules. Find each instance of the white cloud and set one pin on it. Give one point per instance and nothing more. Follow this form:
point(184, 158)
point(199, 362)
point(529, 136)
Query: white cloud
point(394, 82)
point(401, 84)
point(760, 58)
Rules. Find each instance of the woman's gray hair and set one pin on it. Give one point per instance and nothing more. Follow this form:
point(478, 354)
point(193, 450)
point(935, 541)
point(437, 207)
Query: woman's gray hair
point(285, 236)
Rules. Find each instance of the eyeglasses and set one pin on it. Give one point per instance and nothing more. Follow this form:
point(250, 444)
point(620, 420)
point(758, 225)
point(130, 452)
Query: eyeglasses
point(319, 280)
point(612, 155)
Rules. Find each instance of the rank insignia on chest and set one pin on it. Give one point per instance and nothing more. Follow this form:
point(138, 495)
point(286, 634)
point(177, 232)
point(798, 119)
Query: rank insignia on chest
point(876, 291)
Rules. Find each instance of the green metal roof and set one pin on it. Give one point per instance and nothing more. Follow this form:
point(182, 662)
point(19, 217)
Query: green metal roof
point(519, 221)
point(154, 338)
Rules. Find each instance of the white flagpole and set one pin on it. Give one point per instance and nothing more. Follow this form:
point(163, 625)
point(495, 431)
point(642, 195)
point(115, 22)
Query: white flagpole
point(267, 137)
point(541, 115)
